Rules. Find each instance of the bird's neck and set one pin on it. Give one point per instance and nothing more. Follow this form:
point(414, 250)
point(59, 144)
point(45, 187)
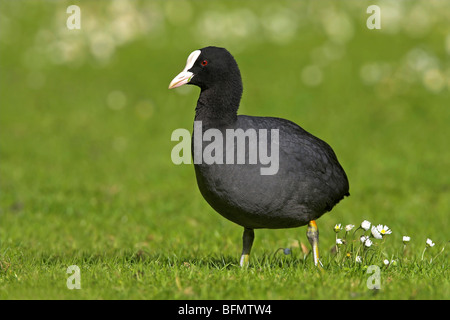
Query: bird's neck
point(217, 106)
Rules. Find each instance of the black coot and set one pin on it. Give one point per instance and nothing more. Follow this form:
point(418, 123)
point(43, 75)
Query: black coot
point(307, 182)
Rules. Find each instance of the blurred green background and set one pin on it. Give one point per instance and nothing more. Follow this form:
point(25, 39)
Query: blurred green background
point(86, 120)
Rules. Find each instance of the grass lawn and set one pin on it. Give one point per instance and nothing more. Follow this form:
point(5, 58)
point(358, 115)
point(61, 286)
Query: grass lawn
point(86, 176)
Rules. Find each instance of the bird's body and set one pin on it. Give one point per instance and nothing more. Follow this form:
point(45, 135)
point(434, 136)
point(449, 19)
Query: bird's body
point(309, 180)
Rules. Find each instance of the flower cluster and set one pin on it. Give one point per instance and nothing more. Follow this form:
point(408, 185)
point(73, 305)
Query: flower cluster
point(377, 232)
point(368, 246)
point(364, 248)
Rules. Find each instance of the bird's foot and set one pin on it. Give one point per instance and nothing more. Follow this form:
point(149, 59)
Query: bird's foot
point(313, 237)
point(245, 258)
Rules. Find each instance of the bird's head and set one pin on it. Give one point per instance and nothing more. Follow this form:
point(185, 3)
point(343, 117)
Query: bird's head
point(208, 67)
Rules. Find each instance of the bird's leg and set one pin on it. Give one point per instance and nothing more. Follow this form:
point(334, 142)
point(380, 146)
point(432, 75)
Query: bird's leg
point(313, 236)
point(247, 242)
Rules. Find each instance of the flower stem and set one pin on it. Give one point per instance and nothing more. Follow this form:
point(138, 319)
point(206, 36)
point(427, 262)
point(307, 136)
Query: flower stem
point(423, 253)
point(356, 230)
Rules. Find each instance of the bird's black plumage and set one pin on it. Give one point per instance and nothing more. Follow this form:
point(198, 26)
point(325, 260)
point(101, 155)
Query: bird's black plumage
point(309, 182)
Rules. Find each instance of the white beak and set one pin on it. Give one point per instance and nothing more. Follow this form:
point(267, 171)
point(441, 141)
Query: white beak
point(185, 76)
point(182, 78)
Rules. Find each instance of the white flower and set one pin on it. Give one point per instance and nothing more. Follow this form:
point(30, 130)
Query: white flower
point(376, 234)
point(368, 243)
point(383, 229)
point(365, 225)
point(349, 227)
point(337, 228)
point(364, 238)
point(386, 262)
point(430, 243)
point(358, 259)
point(406, 239)
point(339, 242)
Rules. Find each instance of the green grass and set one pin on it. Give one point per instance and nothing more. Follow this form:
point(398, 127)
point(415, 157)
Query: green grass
point(129, 274)
point(87, 180)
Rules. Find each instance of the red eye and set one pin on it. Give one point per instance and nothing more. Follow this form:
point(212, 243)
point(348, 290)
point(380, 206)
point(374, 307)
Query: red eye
point(204, 63)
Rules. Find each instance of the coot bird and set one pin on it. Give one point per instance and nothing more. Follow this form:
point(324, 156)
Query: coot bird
point(309, 180)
